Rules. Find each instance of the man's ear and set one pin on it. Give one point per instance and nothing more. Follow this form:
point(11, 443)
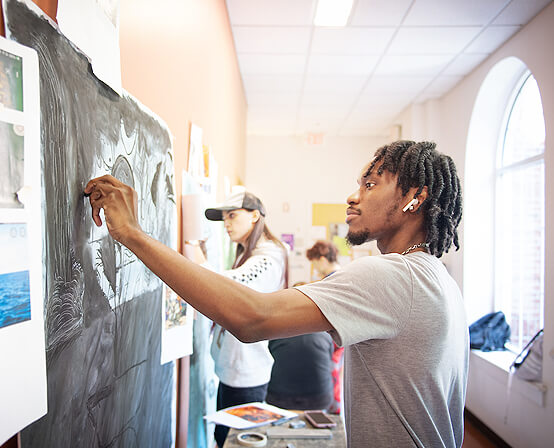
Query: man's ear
point(416, 202)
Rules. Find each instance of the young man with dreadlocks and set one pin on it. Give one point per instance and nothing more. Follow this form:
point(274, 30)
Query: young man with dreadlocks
point(400, 314)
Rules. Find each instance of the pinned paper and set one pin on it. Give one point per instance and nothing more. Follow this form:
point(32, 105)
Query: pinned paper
point(93, 27)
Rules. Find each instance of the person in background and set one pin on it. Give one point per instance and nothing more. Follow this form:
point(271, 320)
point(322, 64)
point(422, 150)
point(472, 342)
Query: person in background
point(301, 374)
point(323, 255)
point(400, 314)
point(261, 264)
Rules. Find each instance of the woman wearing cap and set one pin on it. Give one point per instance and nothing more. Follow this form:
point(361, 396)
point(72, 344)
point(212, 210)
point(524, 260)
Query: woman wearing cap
point(261, 264)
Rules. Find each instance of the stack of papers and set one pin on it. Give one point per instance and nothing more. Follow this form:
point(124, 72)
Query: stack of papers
point(249, 415)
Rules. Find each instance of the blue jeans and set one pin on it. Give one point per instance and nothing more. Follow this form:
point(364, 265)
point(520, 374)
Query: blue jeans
point(232, 396)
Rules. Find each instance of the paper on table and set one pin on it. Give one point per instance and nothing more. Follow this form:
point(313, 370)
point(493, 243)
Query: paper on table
point(93, 26)
point(249, 415)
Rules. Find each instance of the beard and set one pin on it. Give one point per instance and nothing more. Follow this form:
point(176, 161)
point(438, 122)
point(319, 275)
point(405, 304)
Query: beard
point(357, 238)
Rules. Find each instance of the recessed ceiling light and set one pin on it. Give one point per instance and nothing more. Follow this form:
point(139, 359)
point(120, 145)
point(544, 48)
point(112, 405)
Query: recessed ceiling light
point(332, 12)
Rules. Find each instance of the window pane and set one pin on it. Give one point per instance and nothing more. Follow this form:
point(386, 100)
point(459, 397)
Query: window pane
point(525, 130)
point(519, 244)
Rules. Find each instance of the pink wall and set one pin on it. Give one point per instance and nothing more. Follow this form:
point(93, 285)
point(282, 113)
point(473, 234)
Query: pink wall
point(178, 58)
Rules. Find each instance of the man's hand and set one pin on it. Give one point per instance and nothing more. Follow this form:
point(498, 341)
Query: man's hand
point(119, 202)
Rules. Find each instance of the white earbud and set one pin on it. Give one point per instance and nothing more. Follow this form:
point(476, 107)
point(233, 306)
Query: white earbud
point(410, 205)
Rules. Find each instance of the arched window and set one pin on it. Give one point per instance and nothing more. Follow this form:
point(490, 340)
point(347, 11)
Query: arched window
point(519, 233)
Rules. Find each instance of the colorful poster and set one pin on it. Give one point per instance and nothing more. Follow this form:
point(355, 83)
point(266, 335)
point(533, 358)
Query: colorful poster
point(22, 350)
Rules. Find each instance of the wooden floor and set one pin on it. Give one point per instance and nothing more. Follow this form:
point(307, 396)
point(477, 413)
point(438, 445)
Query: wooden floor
point(476, 435)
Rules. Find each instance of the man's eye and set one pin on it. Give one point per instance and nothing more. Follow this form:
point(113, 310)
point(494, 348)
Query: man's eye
point(368, 185)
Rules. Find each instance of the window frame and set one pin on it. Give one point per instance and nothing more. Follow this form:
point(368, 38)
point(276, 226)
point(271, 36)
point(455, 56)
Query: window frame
point(499, 170)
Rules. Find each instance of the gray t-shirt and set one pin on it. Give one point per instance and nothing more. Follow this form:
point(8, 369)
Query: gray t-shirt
point(403, 320)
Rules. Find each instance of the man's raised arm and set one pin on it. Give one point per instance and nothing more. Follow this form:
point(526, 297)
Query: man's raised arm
point(247, 314)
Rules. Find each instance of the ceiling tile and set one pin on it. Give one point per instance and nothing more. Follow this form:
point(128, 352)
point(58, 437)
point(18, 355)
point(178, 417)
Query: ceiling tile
point(379, 12)
point(452, 13)
point(298, 78)
point(432, 40)
point(263, 64)
point(332, 98)
point(351, 40)
point(272, 83)
point(336, 113)
point(438, 87)
point(491, 38)
point(411, 64)
point(271, 12)
point(281, 112)
point(321, 64)
point(255, 39)
point(272, 98)
point(519, 12)
point(464, 64)
point(340, 84)
point(394, 86)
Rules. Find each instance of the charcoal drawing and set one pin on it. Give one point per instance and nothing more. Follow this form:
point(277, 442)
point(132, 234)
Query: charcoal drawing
point(106, 386)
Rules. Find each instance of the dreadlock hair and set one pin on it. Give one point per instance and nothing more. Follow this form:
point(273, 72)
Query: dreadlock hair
point(419, 165)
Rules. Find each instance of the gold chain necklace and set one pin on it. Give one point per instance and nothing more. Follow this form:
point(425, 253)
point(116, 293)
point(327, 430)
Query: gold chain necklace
point(414, 247)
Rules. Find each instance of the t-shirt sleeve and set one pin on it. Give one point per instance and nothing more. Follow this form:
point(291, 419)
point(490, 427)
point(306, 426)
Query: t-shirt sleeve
point(262, 272)
point(371, 298)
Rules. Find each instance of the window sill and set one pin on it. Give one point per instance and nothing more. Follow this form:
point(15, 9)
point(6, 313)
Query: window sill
point(501, 359)
point(497, 364)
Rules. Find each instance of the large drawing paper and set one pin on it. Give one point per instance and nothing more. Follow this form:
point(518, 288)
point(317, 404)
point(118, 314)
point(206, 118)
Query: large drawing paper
point(22, 356)
point(106, 386)
point(93, 26)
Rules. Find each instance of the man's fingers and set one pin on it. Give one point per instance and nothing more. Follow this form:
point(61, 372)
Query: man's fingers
point(99, 181)
point(97, 204)
point(97, 196)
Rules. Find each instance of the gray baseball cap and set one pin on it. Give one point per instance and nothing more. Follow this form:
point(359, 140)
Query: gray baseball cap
point(234, 202)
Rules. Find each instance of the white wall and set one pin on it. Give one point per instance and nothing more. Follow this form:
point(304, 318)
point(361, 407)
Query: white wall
point(286, 172)
point(530, 424)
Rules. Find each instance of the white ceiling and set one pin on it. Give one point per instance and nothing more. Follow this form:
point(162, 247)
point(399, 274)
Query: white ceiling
point(355, 80)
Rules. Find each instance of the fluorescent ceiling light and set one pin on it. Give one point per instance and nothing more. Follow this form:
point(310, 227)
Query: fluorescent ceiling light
point(332, 12)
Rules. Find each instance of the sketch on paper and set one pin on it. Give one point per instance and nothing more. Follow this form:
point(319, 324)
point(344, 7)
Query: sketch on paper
point(11, 80)
point(178, 319)
point(175, 310)
point(15, 296)
point(11, 164)
point(106, 386)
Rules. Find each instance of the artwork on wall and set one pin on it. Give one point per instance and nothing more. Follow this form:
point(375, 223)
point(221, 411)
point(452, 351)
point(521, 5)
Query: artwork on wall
point(106, 386)
point(177, 326)
point(196, 166)
point(23, 372)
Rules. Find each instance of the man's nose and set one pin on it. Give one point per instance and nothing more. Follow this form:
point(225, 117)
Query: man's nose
point(354, 198)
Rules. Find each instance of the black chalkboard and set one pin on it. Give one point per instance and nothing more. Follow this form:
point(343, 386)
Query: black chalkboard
point(106, 386)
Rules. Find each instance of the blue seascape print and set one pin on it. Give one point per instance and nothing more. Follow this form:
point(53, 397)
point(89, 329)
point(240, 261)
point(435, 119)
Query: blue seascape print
point(15, 298)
